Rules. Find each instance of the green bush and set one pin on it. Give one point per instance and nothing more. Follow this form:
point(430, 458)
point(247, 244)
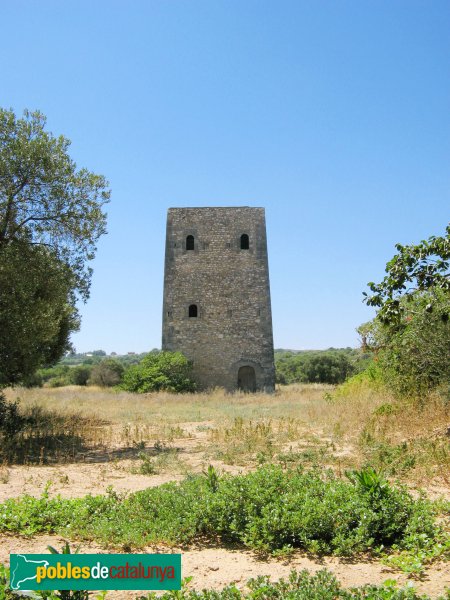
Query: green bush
point(11, 421)
point(56, 376)
point(371, 379)
point(80, 374)
point(415, 359)
point(106, 373)
point(412, 353)
point(169, 371)
point(302, 585)
point(267, 510)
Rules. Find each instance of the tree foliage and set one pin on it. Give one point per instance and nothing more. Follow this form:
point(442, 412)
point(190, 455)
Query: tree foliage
point(410, 334)
point(106, 373)
point(416, 268)
point(414, 354)
point(51, 218)
point(80, 374)
point(44, 199)
point(317, 366)
point(37, 310)
point(169, 371)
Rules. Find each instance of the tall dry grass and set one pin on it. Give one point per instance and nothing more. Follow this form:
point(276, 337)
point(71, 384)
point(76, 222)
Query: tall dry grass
point(354, 428)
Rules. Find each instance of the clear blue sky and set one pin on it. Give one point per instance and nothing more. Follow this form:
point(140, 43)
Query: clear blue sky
point(334, 116)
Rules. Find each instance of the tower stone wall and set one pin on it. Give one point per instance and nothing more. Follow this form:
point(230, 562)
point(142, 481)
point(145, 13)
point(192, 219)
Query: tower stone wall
point(216, 308)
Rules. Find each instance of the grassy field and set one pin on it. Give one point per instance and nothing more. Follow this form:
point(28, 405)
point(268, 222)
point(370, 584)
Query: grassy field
point(298, 424)
point(330, 464)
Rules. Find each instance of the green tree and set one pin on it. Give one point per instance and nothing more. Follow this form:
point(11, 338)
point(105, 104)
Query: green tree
point(80, 374)
point(410, 334)
point(37, 310)
point(416, 268)
point(51, 218)
point(414, 354)
point(318, 366)
point(160, 371)
point(328, 367)
point(106, 373)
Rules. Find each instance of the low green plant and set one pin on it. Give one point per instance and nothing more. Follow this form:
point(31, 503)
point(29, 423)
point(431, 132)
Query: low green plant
point(212, 478)
point(267, 510)
point(165, 458)
point(313, 456)
point(147, 465)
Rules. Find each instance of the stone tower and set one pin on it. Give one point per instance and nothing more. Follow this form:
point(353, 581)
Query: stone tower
point(216, 308)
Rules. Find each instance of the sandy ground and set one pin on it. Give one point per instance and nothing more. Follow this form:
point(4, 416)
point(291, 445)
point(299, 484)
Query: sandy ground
point(217, 567)
point(76, 480)
point(108, 467)
point(210, 567)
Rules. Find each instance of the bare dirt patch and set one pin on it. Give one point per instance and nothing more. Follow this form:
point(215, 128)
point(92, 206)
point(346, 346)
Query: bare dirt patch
point(217, 567)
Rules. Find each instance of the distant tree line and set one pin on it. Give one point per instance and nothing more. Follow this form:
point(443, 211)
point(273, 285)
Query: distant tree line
point(332, 366)
point(157, 370)
point(140, 373)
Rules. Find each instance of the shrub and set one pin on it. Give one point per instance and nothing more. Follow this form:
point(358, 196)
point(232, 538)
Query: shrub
point(414, 356)
point(56, 376)
point(11, 421)
point(267, 510)
point(412, 351)
point(107, 373)
point(169, 371)
point(371, 379)
point(80, 374)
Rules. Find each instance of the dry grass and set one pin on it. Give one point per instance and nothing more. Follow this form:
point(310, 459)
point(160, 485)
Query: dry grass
point(247, 441)
point(172, 409)
point(4, 473)
point(404, 439)
point(305, 424)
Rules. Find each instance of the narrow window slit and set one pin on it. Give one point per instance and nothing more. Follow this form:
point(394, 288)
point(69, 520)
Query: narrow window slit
point(190, 242)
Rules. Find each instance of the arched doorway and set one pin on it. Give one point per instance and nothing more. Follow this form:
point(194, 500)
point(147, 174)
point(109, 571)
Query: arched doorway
point(247, 379)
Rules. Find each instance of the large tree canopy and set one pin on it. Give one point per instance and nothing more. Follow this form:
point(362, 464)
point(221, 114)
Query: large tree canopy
point(37, 310)
point(411, 331)
point(44, 199)
point(51, 218)
point(422, 267)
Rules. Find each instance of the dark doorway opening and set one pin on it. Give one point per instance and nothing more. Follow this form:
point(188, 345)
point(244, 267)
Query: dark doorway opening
point(193, 312)
point(190, 244)
point(247, 379)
